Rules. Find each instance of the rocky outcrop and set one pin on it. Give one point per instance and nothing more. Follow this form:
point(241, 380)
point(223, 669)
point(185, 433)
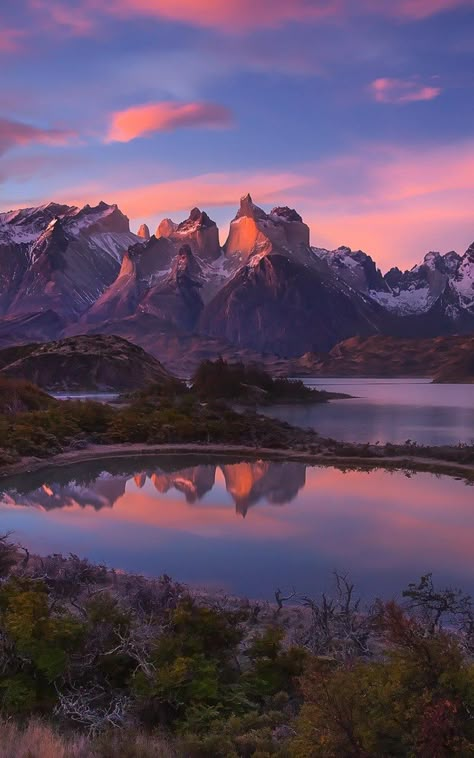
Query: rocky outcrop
point(88, 363)
point(198, 231)
point(144, 232)
point(253, 231)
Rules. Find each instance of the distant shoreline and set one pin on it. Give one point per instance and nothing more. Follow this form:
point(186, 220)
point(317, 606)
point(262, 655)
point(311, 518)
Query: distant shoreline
point(104, 452)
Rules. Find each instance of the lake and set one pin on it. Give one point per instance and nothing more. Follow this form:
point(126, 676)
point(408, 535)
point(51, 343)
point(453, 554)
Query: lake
point(249, 527)
point(388, 410)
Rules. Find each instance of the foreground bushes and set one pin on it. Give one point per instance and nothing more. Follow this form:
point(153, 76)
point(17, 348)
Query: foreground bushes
point(122, 666)
point(180, 419)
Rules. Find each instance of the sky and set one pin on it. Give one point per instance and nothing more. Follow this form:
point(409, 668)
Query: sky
point(358, 113)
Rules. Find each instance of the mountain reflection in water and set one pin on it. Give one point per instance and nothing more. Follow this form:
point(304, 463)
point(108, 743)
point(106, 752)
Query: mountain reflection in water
point(246, 482)
point(183, 515)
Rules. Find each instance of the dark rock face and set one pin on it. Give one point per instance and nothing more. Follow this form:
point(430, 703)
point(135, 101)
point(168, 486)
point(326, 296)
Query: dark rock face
point(142, 266)
point(30, 327)
point(280, 306)
point(88, 363)
point(59, 258)
point(13, 265)
point(176, 299)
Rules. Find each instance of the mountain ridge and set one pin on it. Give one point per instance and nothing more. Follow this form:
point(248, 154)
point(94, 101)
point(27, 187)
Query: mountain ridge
point(66, 270)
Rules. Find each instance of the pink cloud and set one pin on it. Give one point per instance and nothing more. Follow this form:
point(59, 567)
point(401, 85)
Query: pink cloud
point(166, 116)
point(10, 40)
point(18, 134)
point(231, 15)
point(240, 15)
point(402, 91)
point(418, 9)
point(207, 190)
point(395, 203)
point(75, 20)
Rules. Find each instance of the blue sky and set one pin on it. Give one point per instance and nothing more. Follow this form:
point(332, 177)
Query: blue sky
point(360, 115)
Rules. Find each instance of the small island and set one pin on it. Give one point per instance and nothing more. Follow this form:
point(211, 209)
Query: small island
point(252, 385)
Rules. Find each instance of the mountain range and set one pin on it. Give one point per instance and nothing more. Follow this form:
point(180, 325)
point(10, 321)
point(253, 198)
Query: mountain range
point(66, 271)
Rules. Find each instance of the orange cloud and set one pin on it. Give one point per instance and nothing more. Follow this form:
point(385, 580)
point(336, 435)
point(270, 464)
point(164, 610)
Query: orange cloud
point(216, 189)
point(166, 116)
point(401, 92)
point(18, 134)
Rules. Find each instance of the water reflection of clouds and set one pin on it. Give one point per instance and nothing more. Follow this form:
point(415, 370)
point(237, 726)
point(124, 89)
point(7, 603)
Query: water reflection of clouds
point(300, 523)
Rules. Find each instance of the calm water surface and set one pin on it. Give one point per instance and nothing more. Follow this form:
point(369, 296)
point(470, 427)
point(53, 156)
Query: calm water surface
point(249, 527)
point(389, 410)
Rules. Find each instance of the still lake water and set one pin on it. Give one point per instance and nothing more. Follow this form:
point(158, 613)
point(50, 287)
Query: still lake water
point(388, 410)
point(249, 527)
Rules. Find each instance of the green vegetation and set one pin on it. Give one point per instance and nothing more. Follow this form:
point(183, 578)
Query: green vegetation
point(18, 395)
point(166, 413)
point(96, 663)
point(250, 383)
point(33, 424)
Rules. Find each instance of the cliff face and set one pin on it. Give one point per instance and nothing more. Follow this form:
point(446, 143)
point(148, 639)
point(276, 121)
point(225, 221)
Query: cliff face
point(253, 231)
point(281, 306)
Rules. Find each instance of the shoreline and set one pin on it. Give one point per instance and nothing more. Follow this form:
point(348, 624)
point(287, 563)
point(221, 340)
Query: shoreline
point(109, 452)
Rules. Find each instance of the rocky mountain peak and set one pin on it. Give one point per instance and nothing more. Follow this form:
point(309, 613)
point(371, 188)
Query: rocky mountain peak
point(166, 228)
point(197, 220)
point(286, 214)
point(99, 219)
point(198, 231)
point(248, 209)
point(144, 232)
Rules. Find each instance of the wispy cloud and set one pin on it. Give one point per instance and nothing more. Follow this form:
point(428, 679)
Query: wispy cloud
point(19, 134)
point(402, 91)
point(168, 116)
point(10, 39)
point(74, 20)
point(418, 9)
point(236, 16)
